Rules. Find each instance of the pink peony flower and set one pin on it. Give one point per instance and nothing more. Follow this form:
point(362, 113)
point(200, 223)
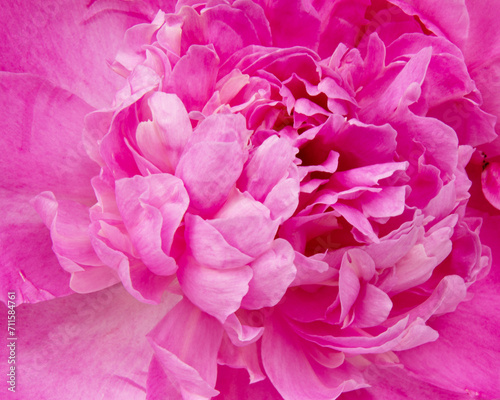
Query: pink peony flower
point(252, 200)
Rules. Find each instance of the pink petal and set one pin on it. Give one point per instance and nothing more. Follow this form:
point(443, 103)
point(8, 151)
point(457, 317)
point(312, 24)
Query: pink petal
point(280, 346)
point(152, 208)
point(268, 165)
point(490, 181)
point(209, 247)
point(282, 17)
point(137, 279)
point(162, 141)
point(57, 336)
point(273, 272)
point(469, 350)
point(186, 343)
point(395, 383)
point(375, 108)
point(241, 357)
point(234, 384)
point(193, 77)
point(221, 164)
point(245, 224)
point(42, 132)
point(449, 18)
point(54, 30)
point(372, 307)
point(217, 292)
point(239, 334)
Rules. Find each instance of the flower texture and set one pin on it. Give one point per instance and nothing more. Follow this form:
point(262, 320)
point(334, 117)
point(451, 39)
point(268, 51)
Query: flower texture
point(270, 200)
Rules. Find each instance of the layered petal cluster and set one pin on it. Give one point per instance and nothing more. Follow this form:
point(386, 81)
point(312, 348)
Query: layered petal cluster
point(301, 174)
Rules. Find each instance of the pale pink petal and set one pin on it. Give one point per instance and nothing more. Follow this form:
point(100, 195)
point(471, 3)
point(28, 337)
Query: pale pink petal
point(186, 343)
point(209, 247)
point(97, 337)
point(246, 224)
point(273, 272)
point(218, 292)
point(152, 208)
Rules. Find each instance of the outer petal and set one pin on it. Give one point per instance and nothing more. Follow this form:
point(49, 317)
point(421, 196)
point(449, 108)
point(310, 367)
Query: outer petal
point(55, 40)
point(468, 343)
point(448, 18)
point(53, 360)
point(41, 127)
point(397, 384)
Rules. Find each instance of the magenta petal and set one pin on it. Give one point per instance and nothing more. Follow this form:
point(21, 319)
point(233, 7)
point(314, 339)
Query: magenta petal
point(234, 384)
point(55, 30)
point(395, 383)
point(273, 272)
point(218, 292)
point(280, 347)
point(58, 335)
point(241, 357)
point(41, 128)
point(449, 18)
point(469, 350)
point(490, 180)
point(186, 343)
point(239, 334)
point(152, 208)
point(283, 15)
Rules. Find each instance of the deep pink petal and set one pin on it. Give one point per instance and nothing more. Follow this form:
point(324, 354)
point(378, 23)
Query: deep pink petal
point(490, 180)
point(449, 19)
point(393, 382)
